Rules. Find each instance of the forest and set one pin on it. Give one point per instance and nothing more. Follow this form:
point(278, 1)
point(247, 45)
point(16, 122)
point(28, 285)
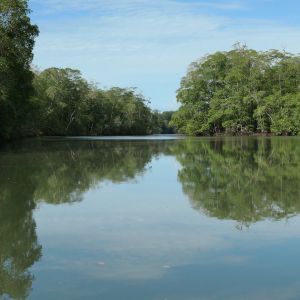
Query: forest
point(60, 101)
point(64, 103)
point(238, 92)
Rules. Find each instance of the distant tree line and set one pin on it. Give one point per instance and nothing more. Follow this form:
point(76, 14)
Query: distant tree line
point(163, 122)
point(241, 92)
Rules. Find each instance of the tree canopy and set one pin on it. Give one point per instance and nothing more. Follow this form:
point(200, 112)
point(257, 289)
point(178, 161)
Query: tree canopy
point(58, 101)
point(17, 36)
point(64, 103)
point(242, 91)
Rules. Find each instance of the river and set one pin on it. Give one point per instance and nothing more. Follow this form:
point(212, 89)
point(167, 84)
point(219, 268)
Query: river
point(150, 218)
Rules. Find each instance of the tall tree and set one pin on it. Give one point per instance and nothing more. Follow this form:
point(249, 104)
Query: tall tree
point(17, 36)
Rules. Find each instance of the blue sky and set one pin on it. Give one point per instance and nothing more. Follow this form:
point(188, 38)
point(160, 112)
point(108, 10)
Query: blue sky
point(150, 43)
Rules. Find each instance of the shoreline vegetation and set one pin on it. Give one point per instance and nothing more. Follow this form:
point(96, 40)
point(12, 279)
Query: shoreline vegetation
point(238, 92)
point(60, 101)
point(241, 92)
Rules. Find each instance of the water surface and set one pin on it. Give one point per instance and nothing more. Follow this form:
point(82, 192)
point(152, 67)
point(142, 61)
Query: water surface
point(150, 218)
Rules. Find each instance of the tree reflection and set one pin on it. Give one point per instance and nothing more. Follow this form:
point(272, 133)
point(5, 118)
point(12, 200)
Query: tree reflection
point(70, 169)
point(54, 172)
point(19, 248)
point(243, 179)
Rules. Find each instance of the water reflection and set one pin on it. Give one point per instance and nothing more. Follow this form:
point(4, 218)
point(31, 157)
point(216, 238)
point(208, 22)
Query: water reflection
point(242, 179)
point(19, 247)
point(55, 173)
point(70, 169)
point(60, 171)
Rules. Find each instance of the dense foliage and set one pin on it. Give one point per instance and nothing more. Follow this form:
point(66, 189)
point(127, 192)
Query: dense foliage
point(66, 104)
point(241, 92)
point(237, 92)
point(58, 101)
point(17, 41)
point(163, 122)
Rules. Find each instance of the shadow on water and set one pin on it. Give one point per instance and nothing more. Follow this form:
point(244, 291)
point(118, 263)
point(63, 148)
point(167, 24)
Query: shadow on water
point(241, 179)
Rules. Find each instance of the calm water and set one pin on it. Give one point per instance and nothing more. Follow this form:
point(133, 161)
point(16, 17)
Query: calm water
point(150, 219)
